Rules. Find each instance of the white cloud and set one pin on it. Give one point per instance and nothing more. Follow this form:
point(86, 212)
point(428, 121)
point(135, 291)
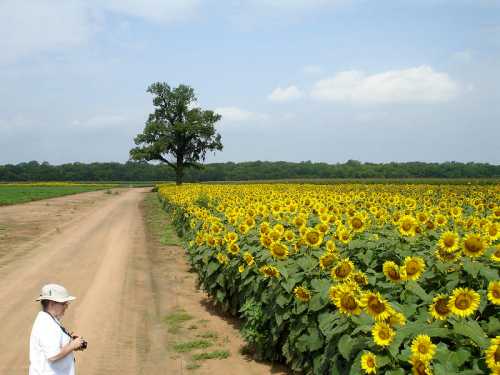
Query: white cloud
point(419, 84)
point(285, 94)
point(102, 121)
point(154, 10)
point(235, 114)
point(30, 26)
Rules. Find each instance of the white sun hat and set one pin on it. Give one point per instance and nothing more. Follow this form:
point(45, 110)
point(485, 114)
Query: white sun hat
point(55, 292)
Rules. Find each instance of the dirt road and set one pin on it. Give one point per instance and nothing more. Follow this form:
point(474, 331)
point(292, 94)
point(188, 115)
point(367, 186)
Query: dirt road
point(123, 287)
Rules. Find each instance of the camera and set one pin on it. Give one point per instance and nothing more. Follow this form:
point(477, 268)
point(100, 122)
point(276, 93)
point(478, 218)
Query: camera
point(84, 343)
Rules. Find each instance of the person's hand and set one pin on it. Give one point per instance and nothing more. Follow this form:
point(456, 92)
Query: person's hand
point(76, 343)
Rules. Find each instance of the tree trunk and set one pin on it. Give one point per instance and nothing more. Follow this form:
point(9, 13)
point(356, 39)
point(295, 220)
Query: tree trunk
point(179, 171)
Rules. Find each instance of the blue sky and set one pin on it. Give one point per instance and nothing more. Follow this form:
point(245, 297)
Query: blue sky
point(319, 80)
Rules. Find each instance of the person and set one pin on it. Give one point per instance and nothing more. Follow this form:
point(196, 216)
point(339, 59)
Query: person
point(51, 345)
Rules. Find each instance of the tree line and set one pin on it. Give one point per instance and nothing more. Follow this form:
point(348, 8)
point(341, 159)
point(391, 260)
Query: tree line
point(255, 170)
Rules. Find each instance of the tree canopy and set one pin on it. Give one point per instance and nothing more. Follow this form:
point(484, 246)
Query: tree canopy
point(177, 133)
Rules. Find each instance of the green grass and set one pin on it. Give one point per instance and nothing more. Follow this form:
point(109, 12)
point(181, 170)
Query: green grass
point(192, 366)
point(21, 194)
point(216, 354)
point(208, 335)
point(187, 346)
point(175, 319)
point(159, 221)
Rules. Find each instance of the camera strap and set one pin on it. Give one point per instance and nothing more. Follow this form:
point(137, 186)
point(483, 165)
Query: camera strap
point(60, 326)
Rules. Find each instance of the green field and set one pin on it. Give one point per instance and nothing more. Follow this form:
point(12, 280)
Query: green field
point(14, 194)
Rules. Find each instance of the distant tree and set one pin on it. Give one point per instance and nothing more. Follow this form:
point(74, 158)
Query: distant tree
point(177, 133)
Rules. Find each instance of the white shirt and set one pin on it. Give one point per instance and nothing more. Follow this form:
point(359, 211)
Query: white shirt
point(46, 341)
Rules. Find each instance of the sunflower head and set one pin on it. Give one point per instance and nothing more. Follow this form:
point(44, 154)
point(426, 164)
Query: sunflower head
point(382, 334)
point(391, 271)
point(302, 294)
point(464, 302)
point(279, 250)
point(496, 254)
point(413, 268)
point(473, 245)
point(327, 260)
point(222, 259)
point(233, 248)
point(449, 241)
point(248, 259)
point(407, 225)
point(347, 303)
point(494, 292)
point(342, 270)
point(423, 348)
point(493, 355)
point(439, 309)
point(376, 306)
point(419, 367)
point(369, 363)
point(313, 237)
point(446, 256)
point(269, 271)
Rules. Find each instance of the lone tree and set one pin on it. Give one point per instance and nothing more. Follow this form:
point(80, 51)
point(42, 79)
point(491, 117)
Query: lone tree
point(177, 133)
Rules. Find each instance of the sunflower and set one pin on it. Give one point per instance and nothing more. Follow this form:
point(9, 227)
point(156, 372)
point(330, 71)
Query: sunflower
point(322, 227)
point(357, 223)
point(493, 355)
point(473, 245)
point(243, 228)
point(439, 309)
point(407, 225)
point(222, 258)
point(343, 269)
point(344, 236)
point(330, 246)
point(265, 227)
point(248, 259)
point(369, 363)
point(376, 306)
point(419, 367)
point(413, 268)
point(360, 278)
point(302, 294)
point(492, 230)
point(275, 235)
point(313, 237)
point(396, 319)
point(289, 235)
point(464, 302)
point(269, 271)
point(494, 292)
point(449, 241)
point(233, 248)
point(241, 268)
point(445, 256)
point(299, 221)
point(496, 254)
point(266, 241)
point(441, 220)
point(382, 334)
point(346, 301)
point(391, 271)
point(423, 348)
point(327, 260)
point(278, 250)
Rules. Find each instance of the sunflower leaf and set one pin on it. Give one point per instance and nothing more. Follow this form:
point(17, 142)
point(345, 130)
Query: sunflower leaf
point(472, 330)
point(489, 273)
point(416, 289)
point(472, 268)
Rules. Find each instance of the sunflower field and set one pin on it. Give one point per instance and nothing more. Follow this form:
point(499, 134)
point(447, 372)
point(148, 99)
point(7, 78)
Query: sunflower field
point(352, 278)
